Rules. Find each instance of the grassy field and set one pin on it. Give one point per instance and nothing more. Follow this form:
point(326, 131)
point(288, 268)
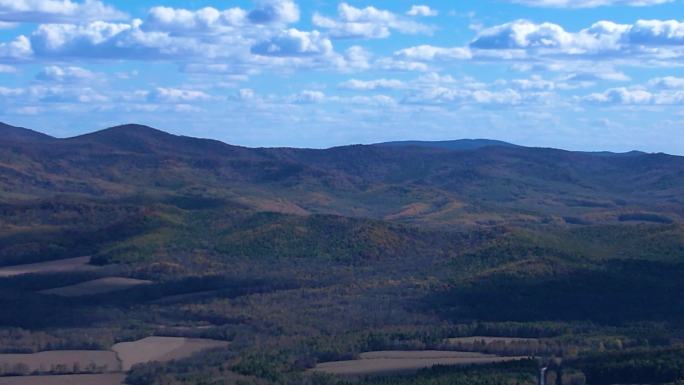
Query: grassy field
point(400, 362)
point(122, 357)
point(161, 349)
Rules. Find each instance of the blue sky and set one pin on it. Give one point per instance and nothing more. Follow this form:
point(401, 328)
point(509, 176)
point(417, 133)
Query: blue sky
point(574, 74)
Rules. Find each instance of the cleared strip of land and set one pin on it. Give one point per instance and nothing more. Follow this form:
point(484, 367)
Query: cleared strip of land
point(162, 349)
point(400, 362)
point(66, 361)
point(98, 286)
point(82, 379)
point(186, 297)
point(489, 340)
point(419, 354)
point(62, 265)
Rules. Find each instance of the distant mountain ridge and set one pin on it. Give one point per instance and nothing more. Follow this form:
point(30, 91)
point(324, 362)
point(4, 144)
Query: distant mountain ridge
point(137, 135)
point(461, 144)
point(437, 183)
point(142, 138)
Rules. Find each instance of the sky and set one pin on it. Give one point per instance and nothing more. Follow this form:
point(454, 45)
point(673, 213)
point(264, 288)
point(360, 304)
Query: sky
point(575, 74)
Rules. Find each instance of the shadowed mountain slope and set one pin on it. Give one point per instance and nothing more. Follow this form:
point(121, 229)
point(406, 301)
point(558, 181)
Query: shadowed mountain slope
point(19, 134)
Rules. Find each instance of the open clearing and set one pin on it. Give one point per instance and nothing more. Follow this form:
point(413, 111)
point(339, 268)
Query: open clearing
point(62, 265)
point(120, 358)
point(42, 362)
point(489, 340)
point(98, 286)
point(398, 362)
point(81, 379)
point(162, 349)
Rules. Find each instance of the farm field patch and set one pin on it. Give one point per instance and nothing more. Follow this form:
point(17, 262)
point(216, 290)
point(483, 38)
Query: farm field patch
point(77, 379)
point(98, 286)
point(398, 362)
point(161, 349)
point(65, 361)
point(62, 265)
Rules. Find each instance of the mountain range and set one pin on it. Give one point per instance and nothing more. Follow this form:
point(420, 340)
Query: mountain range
point(439, 183)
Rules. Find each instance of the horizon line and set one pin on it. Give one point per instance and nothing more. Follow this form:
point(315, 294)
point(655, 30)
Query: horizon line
point(351, 144)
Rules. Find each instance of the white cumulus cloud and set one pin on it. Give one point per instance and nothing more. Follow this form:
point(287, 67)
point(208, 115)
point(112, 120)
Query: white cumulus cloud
point(621, 95)
point(428, 53)
point(601, 37)
point(646, 42)
point(294, 43)
point(667, 82)
point(589, 3)
point(105, 40)
point(174, 95)
point(448, 95)
point(57, 11)
point(17, 49)
point(307, 97)
point(5, 91)
point(203, 20)
point(422, 10)
point(65, 74)
point(366, 23)
point(367, 85)
point(275, 12)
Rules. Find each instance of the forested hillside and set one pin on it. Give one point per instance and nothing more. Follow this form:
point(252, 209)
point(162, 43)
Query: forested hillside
point(299, 257)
